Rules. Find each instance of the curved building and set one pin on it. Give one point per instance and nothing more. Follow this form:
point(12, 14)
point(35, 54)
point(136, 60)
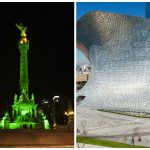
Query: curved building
point(118, 48)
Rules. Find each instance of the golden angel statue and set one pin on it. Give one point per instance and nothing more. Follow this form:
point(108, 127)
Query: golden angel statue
point(23, 30)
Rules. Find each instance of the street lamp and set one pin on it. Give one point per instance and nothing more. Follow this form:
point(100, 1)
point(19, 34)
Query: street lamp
point(55, 100)
point(69, 114)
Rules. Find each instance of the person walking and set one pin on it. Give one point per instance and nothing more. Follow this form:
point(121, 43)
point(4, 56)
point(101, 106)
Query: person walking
point(132, 140)
point(139, 139)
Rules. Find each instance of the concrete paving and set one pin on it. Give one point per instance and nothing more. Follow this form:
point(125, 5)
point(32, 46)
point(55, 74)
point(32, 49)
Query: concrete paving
point(58, 138)
point(115, 127)
point(82, 145)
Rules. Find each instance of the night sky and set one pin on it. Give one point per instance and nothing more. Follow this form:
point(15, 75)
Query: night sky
point(51, 54)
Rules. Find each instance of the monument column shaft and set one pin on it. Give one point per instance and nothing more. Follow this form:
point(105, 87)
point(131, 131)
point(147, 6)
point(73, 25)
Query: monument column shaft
point(24, 81)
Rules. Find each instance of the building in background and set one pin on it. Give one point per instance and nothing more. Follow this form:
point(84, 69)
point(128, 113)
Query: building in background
point(82, 75)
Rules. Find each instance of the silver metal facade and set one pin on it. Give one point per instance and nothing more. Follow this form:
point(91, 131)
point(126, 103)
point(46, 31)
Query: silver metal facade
point(118, 47)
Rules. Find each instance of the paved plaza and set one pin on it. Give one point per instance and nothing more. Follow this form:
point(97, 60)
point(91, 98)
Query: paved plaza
point(58, 138)
point(114, 127)
point(82, 145)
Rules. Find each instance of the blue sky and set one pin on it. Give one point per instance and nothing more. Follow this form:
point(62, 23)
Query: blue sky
point(128, 8)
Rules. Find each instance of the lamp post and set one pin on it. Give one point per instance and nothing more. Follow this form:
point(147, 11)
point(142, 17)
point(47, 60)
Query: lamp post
point(69, 114)
point(55, 100)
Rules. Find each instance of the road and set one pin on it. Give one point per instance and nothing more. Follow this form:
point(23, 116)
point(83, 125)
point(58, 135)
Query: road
point(58, 138)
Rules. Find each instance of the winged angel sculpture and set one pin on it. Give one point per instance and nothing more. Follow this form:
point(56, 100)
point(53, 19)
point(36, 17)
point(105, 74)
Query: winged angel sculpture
point(23, 29)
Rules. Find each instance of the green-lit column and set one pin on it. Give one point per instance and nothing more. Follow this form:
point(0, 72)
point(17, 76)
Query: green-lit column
point(24, 81)
point(35, 112)
point(23, 46)
point(31, 111)
point(13, 113)
point(17, 112)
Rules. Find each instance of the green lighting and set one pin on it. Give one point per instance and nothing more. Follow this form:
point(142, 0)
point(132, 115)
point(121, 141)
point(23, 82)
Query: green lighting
point(24, 112)
point(14, 126)
point(24, 108)
point(46, 124)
